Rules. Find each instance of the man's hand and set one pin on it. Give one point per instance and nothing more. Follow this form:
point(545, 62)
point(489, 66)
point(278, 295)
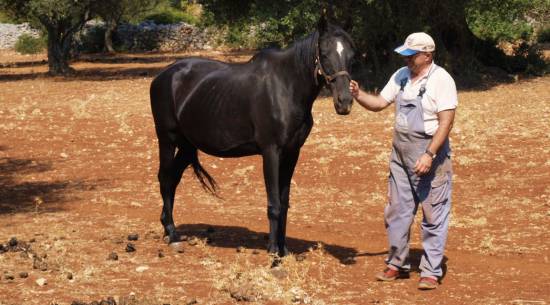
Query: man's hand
point(354, 89)
point(423, 165)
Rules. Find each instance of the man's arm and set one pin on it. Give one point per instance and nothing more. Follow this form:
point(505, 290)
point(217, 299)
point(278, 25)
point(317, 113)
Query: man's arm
point(369, 101)
point(446, 119)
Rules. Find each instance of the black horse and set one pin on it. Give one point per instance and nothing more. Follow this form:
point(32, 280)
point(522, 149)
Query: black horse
point(262, 107)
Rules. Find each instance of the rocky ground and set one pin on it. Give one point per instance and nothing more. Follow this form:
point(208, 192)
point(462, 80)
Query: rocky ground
point(79, 201)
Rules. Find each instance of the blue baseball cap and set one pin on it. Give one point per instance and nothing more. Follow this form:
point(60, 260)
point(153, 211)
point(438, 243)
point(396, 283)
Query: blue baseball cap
point(416, 42)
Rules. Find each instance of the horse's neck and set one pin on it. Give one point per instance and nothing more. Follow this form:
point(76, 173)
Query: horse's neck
point(301, 62)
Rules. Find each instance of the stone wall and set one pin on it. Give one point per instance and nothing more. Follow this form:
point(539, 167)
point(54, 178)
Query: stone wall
point(149, 36)
point(9, 33)
point(146, 36)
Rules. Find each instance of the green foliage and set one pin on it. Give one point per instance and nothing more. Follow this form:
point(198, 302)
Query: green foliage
point(27, 44)
point(465, 31)
point(116, 11)
point(169, 12)
point(255, 23)
point(5, 18)
point(544, 35)
point(165, 17)
point(499, 20)
point(92, 40)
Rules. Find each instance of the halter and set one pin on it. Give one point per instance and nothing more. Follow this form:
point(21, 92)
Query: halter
point(319, 70)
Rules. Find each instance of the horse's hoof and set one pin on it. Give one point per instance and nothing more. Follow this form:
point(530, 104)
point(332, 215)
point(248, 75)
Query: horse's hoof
point(177, 247)
point(284, 252)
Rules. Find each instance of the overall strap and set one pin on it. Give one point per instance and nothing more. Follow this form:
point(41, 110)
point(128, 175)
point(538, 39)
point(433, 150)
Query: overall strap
point(422, 89)
point(402, 83)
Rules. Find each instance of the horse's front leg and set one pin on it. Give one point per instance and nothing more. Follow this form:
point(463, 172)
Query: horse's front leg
point(271, 162)
point(287, 165)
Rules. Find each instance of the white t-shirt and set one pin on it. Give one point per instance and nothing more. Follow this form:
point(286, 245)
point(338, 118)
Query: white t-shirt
point(440, 93)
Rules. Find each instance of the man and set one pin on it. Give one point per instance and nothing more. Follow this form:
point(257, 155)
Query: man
point(420, 166)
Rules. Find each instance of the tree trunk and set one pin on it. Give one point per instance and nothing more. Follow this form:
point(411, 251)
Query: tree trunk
point(59, 47)
point(110, 27)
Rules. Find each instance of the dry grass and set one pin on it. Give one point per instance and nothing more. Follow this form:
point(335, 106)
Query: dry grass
point(85, 152)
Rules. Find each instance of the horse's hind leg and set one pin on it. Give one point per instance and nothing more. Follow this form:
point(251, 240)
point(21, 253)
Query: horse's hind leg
point(170, 171)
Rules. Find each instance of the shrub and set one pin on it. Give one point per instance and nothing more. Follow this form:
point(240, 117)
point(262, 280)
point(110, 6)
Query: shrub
point(544, 35)
point(171, 15)
point(165, 17)
point(27, 44)
point(92, 40)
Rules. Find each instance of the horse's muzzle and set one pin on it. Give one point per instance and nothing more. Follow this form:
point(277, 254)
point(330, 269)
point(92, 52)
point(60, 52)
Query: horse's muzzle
point(343, 107)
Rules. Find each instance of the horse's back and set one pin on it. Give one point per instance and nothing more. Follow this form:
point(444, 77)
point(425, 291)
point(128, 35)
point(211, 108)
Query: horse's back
point(208, 103)
point(173, 82)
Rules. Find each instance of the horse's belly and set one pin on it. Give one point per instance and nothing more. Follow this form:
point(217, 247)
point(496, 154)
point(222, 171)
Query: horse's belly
point(222, 141)
point(241, 150)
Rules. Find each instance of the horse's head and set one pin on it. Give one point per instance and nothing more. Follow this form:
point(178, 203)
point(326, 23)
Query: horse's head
point(334, 58)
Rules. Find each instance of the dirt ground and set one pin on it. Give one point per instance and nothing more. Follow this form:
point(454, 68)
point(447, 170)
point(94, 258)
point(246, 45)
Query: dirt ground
point(78, 162)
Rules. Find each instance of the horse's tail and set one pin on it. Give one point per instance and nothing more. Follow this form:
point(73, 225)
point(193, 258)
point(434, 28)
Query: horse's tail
point(207, 182)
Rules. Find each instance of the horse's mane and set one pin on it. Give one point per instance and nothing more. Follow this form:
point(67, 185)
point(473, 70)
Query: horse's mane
point(303, 51)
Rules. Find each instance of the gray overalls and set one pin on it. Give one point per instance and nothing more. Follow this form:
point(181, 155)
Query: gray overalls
point(407, 190)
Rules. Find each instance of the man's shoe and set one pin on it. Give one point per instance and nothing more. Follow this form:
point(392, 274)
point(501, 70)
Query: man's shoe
point(427, 283)
point(388, 274)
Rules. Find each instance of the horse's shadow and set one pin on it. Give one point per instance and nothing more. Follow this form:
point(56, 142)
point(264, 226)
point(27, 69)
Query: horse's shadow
point(234, 237)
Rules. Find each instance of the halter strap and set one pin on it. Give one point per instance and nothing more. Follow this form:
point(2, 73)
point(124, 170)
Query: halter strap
point(328, 77)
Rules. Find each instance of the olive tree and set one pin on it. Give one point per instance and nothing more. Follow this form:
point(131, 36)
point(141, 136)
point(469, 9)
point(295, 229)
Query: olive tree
point(60, 19)
point(113, 12)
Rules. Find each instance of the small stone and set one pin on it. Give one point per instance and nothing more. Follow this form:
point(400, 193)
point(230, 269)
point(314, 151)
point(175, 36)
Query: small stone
point(192, 242)
point(141, 269)
point(184, 238)
point(300, 257)
point(349, 260)
point(112, 256)
point(32, 240)
point(130, 247)
point(9, 277)
point(192, 301)
point(255, 252)
point(160, 254)
point(41, 282)
point(39, 263)
point(69, 276)
point(133, 237)
point(13, 242)
point(23, 275)
point(240, 249)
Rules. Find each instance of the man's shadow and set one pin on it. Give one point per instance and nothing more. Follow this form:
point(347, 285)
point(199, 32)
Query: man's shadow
point(234, 237)
point(415, 255)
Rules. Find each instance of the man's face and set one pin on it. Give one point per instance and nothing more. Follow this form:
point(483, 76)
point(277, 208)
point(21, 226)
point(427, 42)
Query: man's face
point(418, 61)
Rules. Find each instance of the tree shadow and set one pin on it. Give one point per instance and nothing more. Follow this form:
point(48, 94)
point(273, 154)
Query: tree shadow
point(148, 58)
point(234, 237)
point(39, 196)
point(24, 64)
point(88, 74)
point(114, 73)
